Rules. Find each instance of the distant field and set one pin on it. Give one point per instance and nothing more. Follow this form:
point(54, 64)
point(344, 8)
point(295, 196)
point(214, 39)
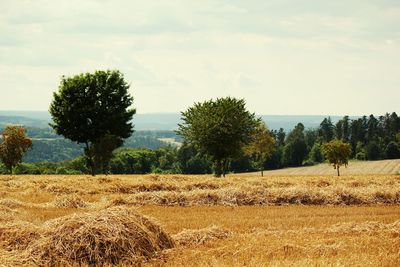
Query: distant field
point(171, 141)
point(239, 220)
point(390, 166)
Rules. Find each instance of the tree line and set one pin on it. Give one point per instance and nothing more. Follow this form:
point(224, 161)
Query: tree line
point(220, 136)
point(187, 159)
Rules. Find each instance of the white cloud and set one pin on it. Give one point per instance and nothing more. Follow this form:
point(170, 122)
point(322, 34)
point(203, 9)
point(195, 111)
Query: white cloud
point(284, 57)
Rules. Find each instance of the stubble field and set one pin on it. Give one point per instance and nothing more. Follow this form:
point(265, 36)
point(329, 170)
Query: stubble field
point(241, 220)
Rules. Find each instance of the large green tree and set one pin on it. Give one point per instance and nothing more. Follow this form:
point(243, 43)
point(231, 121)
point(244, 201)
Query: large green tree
point(14, 145)
point(94, 109)
point(219, 128)
point(338, 153)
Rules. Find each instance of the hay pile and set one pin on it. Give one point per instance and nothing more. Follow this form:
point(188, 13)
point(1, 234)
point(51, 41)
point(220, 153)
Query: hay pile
point(69, 201)
point(263, 195)
point(111, 236)
point(18, 235)
point(190, 237)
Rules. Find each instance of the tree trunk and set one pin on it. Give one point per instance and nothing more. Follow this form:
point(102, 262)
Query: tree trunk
point(218, 168)
point(261, 165)
point(90, 160)
point(338, 173)
point(224, 168)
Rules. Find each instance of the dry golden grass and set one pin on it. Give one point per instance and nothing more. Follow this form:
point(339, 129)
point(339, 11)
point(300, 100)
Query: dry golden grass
point(390, 166)
point(236, 221)
point(110, 236)
point(181, 190)
point(286, 235)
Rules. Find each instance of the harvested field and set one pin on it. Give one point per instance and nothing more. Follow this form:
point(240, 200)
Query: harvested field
point(285, 235)
point(390, 166)
point(200, 220)
point(181, 190)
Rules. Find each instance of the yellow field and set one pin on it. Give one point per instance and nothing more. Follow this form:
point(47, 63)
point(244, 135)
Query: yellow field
point(286, 236)
point(390, 166)
point(236, 221)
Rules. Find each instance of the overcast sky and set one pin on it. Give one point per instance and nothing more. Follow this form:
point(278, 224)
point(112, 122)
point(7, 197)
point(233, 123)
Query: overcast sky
point(283, 56)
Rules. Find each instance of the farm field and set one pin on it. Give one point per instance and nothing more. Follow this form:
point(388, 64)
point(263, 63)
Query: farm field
point(205, 221)
point(283, 236)
point(390, 166)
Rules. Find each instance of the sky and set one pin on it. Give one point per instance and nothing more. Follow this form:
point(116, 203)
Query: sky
point(285, 57)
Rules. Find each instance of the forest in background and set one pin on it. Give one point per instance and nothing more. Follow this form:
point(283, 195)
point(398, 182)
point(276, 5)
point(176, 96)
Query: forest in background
point(147, 151)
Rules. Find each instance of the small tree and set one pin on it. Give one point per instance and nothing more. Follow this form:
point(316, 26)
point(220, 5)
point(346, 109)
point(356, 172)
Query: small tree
point(219, 129)
point(95, 110)
point(261, 147)
point(14, 145)
point(337, 153)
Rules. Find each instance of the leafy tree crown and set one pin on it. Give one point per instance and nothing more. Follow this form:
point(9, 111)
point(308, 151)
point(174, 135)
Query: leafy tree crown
point(88, 106)
point(219, 128)
point(337, 152)
point(14, 145)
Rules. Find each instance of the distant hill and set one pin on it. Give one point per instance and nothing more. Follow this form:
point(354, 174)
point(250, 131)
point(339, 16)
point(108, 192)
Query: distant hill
point(37, 115)
point(26, 121)
point(162, 121)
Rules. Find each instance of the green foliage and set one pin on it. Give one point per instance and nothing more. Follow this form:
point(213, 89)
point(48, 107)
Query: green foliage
point(133, 161)
point(358, 131)
point(167, 159)
point(245, 163)
point(342, 129)
point(52, 150)
point(219, 129)
point(144, 141)
point(102, 151)
point(52, 154)
point(191, 161)
point(280, 137)
point(326, 130)
point(311, 137)
point(141, 161)
point(338, 153)
point(26, 168)
point(316, 155)
point(88, 107)
point(372, 132)
point(295, 149)
point(361, 156)
point(392, 150)
point(373, 151)
point(276, 159)
point(14, 145)
point(3, 169)
point(261, 146)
